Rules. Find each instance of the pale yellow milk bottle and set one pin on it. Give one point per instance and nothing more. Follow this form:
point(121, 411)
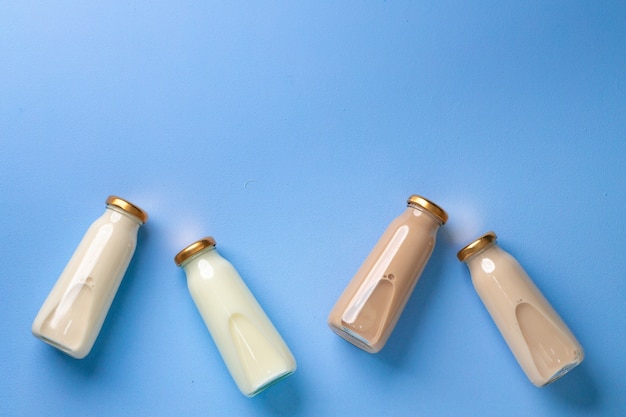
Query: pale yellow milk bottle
point(367, 311)
point(71, 317)
point(541, 342)
point(252, 349)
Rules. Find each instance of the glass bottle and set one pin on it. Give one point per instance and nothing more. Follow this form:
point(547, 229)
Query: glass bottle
point(372, 303)
point(71, 317)
point(252, 349)
point(541, 342)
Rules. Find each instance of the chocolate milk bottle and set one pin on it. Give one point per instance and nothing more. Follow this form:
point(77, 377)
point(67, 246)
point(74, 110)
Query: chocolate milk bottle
point(541, 342)
point(372, 303)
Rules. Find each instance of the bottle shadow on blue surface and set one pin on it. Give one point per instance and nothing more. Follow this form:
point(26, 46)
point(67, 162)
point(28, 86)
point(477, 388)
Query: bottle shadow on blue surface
point(283, 399)
point(577, 388)
point(408, 329)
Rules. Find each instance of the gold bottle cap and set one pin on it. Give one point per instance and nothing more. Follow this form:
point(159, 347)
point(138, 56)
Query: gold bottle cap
point(476, 246)
point(416, 200)
point(193, 249)
point(128, 207)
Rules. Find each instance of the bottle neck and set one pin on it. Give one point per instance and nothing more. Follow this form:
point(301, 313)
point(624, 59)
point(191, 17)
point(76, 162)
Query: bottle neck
point(488, 248)
point(206, 253)
point(115, 215)
point(420, 213)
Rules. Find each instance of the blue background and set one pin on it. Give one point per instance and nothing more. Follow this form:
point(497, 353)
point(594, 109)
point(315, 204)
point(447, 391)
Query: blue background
point(293, 133)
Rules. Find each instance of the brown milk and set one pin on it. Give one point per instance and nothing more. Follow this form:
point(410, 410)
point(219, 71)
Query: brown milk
point(372, 303)
point(541, 342)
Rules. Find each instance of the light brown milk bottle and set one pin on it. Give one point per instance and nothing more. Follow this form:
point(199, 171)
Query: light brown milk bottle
point(372, 303)
point(541, 342)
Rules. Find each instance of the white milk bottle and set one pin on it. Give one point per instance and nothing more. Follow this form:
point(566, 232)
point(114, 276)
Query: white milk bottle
point(252, 349)
point(541, 342)
point(72, 315)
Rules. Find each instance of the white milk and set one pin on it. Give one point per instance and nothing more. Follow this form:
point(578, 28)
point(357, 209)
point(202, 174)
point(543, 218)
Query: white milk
point(253, 351)
point(72, 315)
point(542, 343)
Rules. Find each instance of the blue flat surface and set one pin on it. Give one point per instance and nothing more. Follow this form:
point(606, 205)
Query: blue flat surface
point(293, 134)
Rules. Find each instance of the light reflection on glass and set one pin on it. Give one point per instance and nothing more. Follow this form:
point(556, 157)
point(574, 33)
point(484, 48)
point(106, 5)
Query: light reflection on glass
point(371, 281)
point(206, 270)
point(115, 217)
point(487, 265)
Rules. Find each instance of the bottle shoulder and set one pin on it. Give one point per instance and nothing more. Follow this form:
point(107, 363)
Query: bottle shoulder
point(494, 264)
point(120, 222)
point(209, 265)
point(416, 221)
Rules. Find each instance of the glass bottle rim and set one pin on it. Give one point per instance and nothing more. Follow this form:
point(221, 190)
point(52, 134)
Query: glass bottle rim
point(193, 249)
point(417, 200)
point(128, 207)
point(476, 246)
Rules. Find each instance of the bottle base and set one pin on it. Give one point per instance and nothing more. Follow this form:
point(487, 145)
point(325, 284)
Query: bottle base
point(270, 383)
point(74, 354)
point(562, 372)
point(354, 339)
